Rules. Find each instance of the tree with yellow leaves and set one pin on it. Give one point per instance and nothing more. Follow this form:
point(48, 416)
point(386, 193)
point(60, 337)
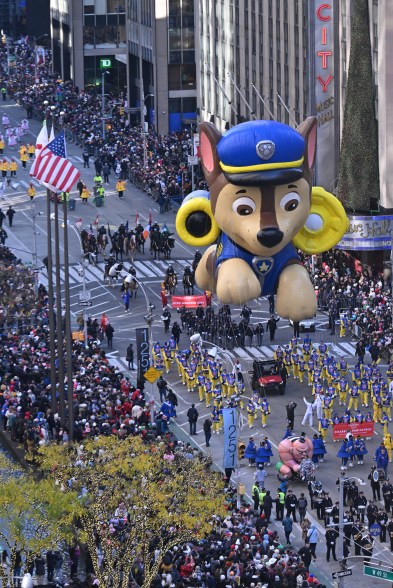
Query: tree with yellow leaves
point(35, 516)
point(136, 504)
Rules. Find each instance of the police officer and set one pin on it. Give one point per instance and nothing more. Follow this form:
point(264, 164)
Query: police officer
point(280, 503)
point(382, 519)
point(255, 495)
point(360, 505)
point(357, 529)
point(318, 500)
point(367, 544)
point(387, 493)
point(331, 538)
point(326, 503)
point(375, 483)
point(348, 528)
point(291, 504)
point(372, 512)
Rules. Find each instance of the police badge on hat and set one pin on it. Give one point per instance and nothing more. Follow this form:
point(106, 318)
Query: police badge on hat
point(265, 149)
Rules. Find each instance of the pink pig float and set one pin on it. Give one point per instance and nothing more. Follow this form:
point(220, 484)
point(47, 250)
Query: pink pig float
point(292, 452)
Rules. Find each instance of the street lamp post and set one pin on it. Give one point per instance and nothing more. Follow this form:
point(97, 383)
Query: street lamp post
point(341, 524)
point(149, 317)
point(104, 73)
point(52, 346)
point(82, 273)
point(144, 132)
point(68, 335)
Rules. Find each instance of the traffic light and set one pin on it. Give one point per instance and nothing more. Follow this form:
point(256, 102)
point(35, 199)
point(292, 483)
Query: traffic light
point(121, 110)
point(108, 127)
point(241, 448)
point(3, 39)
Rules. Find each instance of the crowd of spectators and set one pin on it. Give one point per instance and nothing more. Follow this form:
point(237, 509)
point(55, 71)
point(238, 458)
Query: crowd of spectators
point(242, 547)
point(364, 295)
point(152, 161)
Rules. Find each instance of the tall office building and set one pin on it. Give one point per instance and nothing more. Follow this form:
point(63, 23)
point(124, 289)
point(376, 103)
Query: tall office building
point(253, 57)
point(162, 58)
point(84, 32)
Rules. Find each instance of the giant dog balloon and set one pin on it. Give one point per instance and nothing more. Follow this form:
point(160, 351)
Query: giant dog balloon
point(261, 207)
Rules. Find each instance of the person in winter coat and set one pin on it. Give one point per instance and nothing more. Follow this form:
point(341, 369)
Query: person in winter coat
point(291, 413)
point(250, 452)
point(305, 526)
point(176, 332)
point(261, 456)
point(260, 475)
point(267, 506)
point(126, 297)
point(312, 538)
point(305, 554)
point(382, 459)
point(109, 335)
point(319, 449)
point(344, 453)
point(288, 525)
point(207, 429)
point(359, 450)
point(375, 483)
point(166, 318)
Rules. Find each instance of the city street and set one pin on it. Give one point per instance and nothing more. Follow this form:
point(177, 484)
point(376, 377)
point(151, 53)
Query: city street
point(107, 298)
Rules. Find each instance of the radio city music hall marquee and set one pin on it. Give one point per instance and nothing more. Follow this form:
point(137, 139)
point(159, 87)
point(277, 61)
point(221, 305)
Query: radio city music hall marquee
point(324, 58)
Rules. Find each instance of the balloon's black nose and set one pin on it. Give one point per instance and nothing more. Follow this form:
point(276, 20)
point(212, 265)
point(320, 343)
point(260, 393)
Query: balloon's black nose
point(270, 237)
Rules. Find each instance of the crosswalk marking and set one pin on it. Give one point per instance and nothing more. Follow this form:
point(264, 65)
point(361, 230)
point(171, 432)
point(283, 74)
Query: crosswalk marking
point(145, 269)
point(347, 346)
point(267, 351)
point(336, 350)
point(241, 352)
point(97, 273)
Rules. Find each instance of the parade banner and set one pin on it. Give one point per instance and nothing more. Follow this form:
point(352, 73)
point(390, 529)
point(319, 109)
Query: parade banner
point(362, 429)
point(229, 416)
point(189, 301)
point(368, 233)
point(142, 351)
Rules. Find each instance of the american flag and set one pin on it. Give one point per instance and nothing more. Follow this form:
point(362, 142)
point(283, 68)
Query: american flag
point(53, 168)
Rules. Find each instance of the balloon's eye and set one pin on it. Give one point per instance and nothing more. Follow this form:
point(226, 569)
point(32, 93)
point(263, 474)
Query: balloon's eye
point(290, 201)
point(244, 206)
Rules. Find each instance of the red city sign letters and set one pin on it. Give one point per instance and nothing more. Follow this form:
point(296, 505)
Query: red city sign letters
point(322, 15)
point(320, 9)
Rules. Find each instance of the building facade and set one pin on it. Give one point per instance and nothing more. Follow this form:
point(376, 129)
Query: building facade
point(253, 60)
point(162, 61)
point(84, 32)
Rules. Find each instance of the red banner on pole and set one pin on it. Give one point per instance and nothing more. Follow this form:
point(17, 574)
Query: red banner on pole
point(188, 301)
point(362, 429)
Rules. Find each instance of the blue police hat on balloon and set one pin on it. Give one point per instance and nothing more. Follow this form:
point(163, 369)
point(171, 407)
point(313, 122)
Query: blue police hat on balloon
point(261, 152)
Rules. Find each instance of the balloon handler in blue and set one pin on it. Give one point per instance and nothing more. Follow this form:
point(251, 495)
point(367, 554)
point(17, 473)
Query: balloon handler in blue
point(261, 207)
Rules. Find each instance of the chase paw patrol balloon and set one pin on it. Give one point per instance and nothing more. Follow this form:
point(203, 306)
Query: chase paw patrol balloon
point(261, 206)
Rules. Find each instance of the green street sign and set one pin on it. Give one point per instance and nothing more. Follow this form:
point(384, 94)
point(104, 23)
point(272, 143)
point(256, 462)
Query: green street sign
point(105, 63)
point(378, 573)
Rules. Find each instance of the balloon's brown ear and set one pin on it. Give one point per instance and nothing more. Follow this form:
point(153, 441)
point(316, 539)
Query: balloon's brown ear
point(308, 130)
point(209, 137)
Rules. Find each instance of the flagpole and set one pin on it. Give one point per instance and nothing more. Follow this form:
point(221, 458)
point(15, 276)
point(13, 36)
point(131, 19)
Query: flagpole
point(52, 347)
point(68, 336)
point(59, 325)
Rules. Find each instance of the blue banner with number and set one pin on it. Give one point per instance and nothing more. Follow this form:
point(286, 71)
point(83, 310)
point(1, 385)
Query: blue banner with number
point(230, 437)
